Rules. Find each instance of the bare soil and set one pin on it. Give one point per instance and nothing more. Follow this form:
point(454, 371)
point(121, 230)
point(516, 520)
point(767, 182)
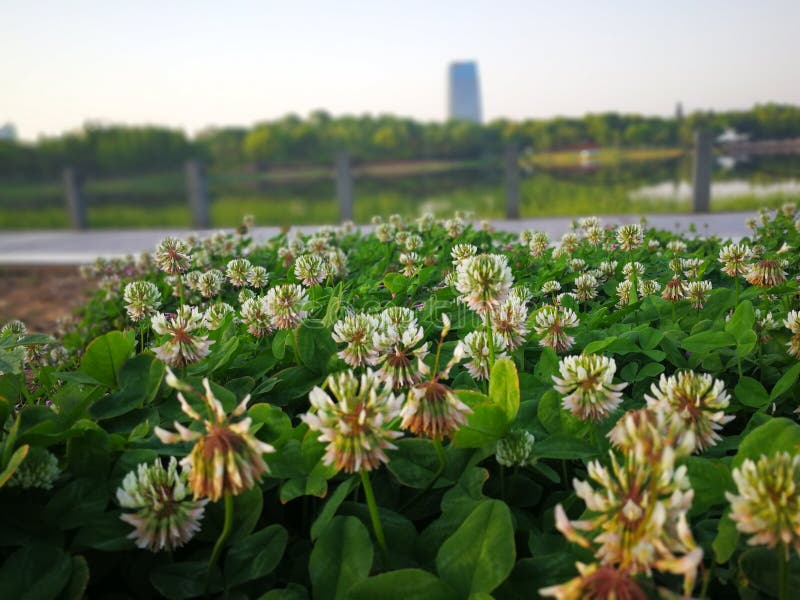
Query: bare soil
point(40, 295)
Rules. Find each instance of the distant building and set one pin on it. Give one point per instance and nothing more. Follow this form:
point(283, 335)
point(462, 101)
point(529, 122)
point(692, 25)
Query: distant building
point(464, 92)
point(8, 132)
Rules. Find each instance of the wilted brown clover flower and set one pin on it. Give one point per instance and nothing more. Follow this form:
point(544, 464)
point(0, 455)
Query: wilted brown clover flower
point(226, 458)
point(765, 274)
point(164, 518)
point(767, 504)
point(596, 582)
point(674, 290)
point(586, 382)
point(699, 402)
point(355, 423)
point(431, 407)
point(184, 346)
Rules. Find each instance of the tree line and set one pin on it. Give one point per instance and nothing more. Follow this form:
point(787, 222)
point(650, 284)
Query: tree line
point(105, 150)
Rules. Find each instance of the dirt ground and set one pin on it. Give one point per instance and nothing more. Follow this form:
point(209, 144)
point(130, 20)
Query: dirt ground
point(39, 296)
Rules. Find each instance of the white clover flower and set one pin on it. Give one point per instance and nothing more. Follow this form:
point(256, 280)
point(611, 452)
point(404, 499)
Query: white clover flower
point(476, 348)
point(586, 381)
point(357, 332)
point(256, 318)
point(552, 323)
point(311, 269)
point(734, 258)
point(697, 292)
point(210, 283)
point(461, 252)
point(142, 298)
point(633, 269)
point(691, 267)
point(649, 287)
point(539, 243)
point(455, 227)
point(699, 402)
point(172, 256)
point(676, 246)
point(285, 305)
point(569, 243)
point(164, 518)
point(215, 314)
point(767, 502)
point(630, 236)
point(585, 287)
point(484, 281)
point(624, 290)
point(510, 321)
point(184, 346)
point(576, 265)
point(551, 287)
point(355, 423)
point(594, 235)
point(397, 341)
point(410, 262)
point(237, 271)
point(258, 277)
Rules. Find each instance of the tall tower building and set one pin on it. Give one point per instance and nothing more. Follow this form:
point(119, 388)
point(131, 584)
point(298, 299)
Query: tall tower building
point(464, 92)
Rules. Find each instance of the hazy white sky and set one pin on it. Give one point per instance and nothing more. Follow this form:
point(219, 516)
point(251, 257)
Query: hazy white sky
point(193, 64)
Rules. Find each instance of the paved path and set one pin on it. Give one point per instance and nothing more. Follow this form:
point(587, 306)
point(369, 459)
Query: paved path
point(73, 248)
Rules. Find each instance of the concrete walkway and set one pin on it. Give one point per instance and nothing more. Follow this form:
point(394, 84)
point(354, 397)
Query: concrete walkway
point(58, 247)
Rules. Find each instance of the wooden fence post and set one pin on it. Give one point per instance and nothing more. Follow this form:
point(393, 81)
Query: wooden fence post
point(344, 186)
point(75, 198)
point(701, 172)
point(197, 190)
point(512, 183)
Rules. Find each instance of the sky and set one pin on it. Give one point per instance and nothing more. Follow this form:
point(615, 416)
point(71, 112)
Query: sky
point(195, 64)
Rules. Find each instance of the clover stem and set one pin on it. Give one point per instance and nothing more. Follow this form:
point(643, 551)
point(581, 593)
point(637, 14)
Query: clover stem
point(226, 531)
point(374, 516)
point(783, 573)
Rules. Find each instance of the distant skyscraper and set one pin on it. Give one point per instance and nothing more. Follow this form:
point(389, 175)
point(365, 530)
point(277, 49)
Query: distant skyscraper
point(464, 92)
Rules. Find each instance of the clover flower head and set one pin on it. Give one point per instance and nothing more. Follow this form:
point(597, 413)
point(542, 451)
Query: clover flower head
point(649, 287)
point(258, 277)
point(594, 235)
point(698, 400)
point(510, 321)
point(484, 281)
point(312, 269)
point(630, 236)
point(14, 327)
point(691, 267)
point(624, 290)
point(608, 268)
point(653, 245)
point(425, 222)
point(413, 242)
point(184, 346)
point(639, 517)
point(142, 298)
point(432, 409)
point(767, 502)
point(215, 314)
point(285, 305)
point(337, 262)
point(226, 459)
point(792, 323)
point(525, 237)
point(476, 348)
point(766, 274)
point(569, 243)
point(734, 259)
point(410, 262)
point(649, 433)
point(256, 318)
point(596, 582)
point(384, 232)
point(576, 265)
point(461, 252)
point(164, 518)
point(585, 287)
point(455, 227)
point(551, 287)
point(237, 271)
point(210, 283)
point(39, 469)
point(398, 342)
point(697, 292)
point(789, 209)
point(539, 243)
point(516, 449)
point(191, 279)
point(172, 256)
point(357, 332)
point(353, 417)
point(674, 290)
point(633, 269)
point(552, 323)
point(586, 381)
point(676, 246)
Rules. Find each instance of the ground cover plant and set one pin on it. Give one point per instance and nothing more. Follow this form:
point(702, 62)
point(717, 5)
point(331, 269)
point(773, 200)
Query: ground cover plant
point(430, 410)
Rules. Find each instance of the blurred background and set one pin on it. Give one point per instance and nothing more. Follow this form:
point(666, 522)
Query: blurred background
point(160, 115)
